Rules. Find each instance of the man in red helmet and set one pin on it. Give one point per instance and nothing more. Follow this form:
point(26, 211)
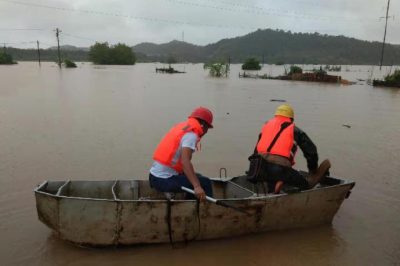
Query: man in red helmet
point(172, 166)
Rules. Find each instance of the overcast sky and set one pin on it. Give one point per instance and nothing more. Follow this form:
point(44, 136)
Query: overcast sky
point(195, 21)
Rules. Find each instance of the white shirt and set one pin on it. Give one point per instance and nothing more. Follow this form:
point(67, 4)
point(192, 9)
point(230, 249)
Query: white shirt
point(188, 140)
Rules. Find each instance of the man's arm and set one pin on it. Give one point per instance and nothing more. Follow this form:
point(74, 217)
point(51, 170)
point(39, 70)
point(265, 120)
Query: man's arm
point(307, 147)
point(188, 169)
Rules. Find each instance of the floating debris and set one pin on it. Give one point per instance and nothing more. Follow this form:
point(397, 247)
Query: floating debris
point(333, 68)
point(277, 100)
point(169, 70)
point(296, 74)
point(253, 76)
point(348, 126)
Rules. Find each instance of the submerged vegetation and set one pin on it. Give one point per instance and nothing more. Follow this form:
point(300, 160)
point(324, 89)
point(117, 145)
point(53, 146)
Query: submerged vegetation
point(251, 64)
point(295, 69)
point(103, 54)
point(69, 64)
point(6, 59)
point(395, 77)
point(333, 68)
point(217, 69)
point(390, 80)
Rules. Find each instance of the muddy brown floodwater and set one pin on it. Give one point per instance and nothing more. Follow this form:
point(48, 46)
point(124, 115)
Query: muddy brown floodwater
point(98, 123)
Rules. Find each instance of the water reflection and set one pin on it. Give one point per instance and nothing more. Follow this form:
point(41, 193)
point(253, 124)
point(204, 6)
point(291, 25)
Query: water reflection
point(273, 248)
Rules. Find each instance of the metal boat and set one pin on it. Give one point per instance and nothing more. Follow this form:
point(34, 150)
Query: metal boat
point(125, 212)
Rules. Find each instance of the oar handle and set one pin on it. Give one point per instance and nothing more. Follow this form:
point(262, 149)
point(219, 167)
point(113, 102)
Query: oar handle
point(191, 191)
point(217, 202)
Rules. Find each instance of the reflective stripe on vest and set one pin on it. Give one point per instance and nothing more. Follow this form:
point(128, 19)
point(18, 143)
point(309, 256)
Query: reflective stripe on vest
point(284, 144)
point(169, 145)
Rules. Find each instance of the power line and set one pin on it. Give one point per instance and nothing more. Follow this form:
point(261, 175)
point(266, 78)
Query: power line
point(26, 42)
point(49, 44)
point(250, 9)
point(149, 19)
point(257, 10)
point(78, 37)
point(23, 29)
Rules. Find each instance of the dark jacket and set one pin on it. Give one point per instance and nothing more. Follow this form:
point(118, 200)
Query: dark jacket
point(307, 147)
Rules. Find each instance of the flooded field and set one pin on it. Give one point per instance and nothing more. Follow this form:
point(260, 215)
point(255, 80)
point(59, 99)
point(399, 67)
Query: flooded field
point(103, 122)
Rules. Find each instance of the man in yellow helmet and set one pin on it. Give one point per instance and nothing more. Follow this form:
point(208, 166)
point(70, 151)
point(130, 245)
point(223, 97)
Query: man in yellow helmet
point(277, 144)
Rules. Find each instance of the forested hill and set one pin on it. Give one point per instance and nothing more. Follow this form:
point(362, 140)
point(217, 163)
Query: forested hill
point(274, 46)
point(278, 46)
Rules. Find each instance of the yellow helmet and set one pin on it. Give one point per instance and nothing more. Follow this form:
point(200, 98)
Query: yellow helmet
point(285, 110)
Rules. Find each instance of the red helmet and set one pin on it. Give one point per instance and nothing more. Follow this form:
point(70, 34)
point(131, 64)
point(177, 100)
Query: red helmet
point(203, 114)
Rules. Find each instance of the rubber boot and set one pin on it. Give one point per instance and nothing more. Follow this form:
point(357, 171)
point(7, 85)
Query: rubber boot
point(319, 174)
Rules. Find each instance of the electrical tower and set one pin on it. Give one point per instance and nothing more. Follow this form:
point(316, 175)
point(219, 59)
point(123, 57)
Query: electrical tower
point(384, 35)
point(58, 46)
point(38, 51)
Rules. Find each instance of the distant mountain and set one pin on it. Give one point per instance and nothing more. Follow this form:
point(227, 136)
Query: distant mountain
point(181, 51)
point(277, 46)
point(69, 48)
point(270, 46)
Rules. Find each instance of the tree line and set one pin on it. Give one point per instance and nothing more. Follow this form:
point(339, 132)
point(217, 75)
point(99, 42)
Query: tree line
point(269, 46)
point(99, 53)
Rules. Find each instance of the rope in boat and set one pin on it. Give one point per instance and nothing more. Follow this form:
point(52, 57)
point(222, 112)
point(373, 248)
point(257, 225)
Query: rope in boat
point(170, 233)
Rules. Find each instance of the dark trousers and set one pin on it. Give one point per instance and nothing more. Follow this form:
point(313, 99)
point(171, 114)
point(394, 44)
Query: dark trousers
point(288, 175)
point(174, 183)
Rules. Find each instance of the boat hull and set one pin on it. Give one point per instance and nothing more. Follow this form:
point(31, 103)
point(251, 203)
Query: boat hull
point(115, 219)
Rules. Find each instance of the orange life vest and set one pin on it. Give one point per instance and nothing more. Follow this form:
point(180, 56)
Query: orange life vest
point(284, 144)
point(169, 145)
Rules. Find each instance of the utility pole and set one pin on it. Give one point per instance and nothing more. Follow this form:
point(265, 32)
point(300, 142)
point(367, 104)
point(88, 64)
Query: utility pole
point(384, 36)
point(38, 51)
point(183, 36)
point(58, 46)
point(263, 61)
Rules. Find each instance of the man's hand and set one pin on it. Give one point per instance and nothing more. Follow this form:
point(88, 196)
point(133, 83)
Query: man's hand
point(200, 194)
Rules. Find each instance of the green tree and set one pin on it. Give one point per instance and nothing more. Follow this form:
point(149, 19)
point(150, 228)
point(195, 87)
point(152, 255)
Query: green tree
point(6, 59)
point(393, 78)
point(217, 69)
point(99, 53)
point(122, 54)
point(69, 64)
point(251, 64)
point(295, 69)
point(103, 54)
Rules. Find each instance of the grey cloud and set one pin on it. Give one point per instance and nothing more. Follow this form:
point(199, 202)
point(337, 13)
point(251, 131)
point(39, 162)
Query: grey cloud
point(202, 21)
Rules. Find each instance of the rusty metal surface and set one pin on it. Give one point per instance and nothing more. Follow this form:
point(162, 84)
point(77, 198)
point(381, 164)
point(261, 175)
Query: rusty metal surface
point(88, 221)
point(143, 220)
